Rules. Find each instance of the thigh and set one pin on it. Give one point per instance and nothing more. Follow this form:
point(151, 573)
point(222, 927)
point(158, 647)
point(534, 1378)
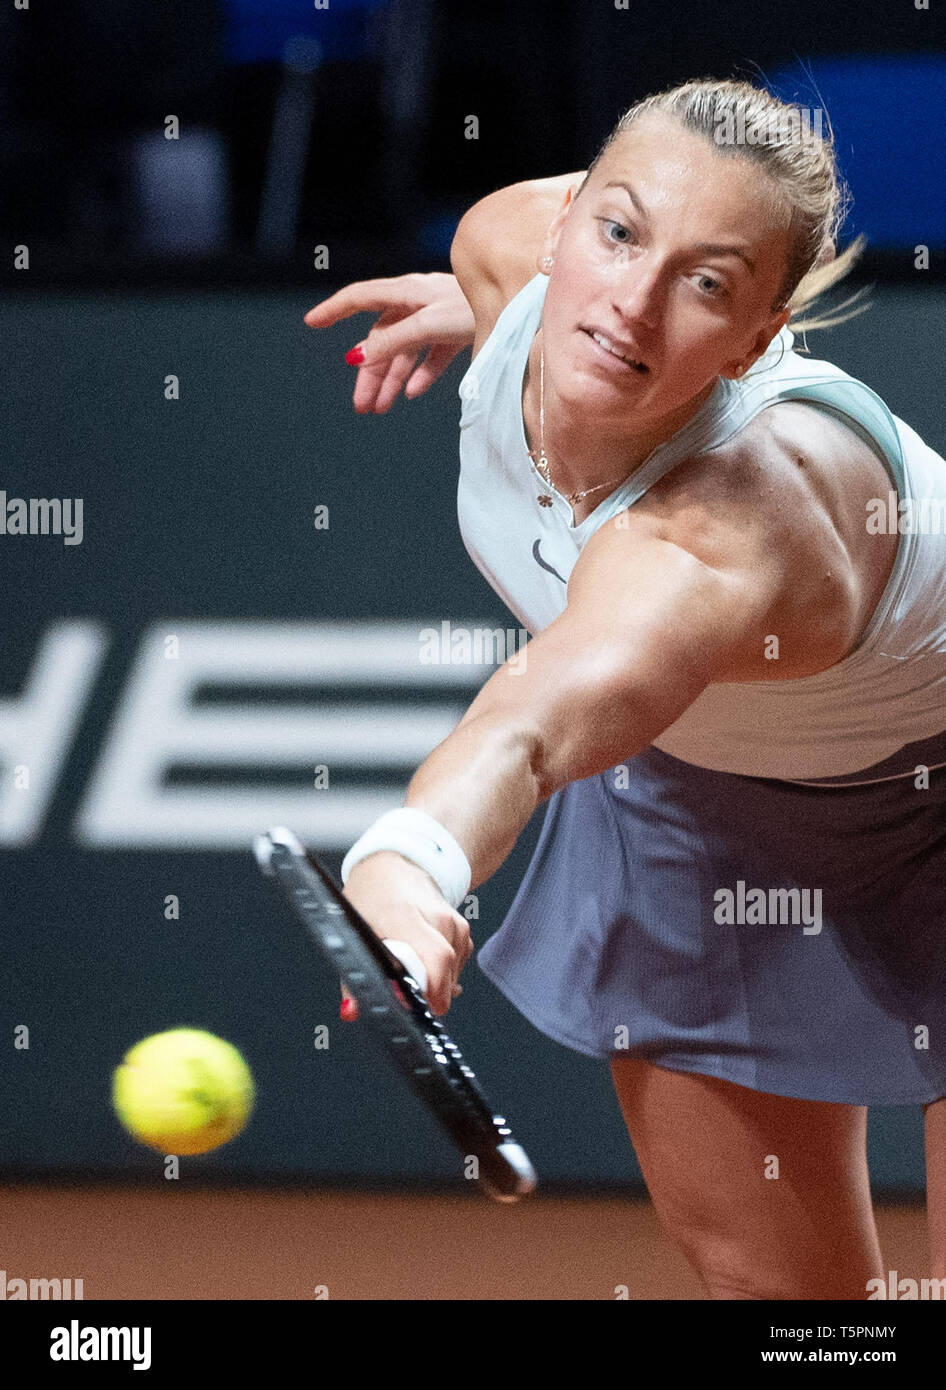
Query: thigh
point(935, 1117)
point(710, 1152)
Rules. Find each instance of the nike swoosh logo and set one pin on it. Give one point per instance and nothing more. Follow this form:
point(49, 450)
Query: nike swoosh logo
point(538, 559)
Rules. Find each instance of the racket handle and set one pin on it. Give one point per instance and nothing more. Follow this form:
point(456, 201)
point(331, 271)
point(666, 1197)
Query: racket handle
point(410, 960)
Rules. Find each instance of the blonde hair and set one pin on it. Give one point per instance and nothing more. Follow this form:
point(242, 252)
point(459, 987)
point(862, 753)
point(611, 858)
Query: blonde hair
point(748, 122)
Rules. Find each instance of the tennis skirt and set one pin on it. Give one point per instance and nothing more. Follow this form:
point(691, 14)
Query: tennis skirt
point(790, 938)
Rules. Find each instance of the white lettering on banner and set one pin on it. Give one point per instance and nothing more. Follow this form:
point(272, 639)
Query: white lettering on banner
point(37, 726)
point(157, 726)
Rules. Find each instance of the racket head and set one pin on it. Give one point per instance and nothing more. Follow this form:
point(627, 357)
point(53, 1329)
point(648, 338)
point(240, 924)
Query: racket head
point(414, 1039)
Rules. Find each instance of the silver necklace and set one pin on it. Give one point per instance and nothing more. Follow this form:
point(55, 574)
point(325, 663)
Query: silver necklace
point(541, 461)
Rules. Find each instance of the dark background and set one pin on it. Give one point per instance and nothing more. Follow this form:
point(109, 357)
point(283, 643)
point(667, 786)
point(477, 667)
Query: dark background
point(202, 508)
point(384, 170)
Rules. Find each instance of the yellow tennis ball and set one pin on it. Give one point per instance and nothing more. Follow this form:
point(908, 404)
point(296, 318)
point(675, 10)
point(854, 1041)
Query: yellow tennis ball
point(183, 1092)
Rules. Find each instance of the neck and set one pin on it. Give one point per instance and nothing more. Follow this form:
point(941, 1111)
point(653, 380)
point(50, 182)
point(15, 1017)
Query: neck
point(580, 456)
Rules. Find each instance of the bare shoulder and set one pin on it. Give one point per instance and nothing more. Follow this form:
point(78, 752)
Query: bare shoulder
point(789, 492)
point(497, 244)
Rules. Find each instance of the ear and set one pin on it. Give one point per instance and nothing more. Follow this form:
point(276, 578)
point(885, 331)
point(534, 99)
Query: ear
point(550, 240)
point(764, 336)
point(769, 331)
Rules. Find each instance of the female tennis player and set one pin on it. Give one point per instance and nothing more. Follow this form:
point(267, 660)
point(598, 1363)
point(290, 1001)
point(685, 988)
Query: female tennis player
point(734, 699)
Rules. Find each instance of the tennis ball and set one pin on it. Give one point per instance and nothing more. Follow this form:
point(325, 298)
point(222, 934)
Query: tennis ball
point(183, 1092)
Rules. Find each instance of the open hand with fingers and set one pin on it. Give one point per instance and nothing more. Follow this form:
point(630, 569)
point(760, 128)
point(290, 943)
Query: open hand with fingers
point(400, 901)
point(417, 313)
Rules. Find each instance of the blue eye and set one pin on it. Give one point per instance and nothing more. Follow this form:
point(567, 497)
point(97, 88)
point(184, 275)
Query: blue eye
point(610, 222)
point(713, 294)
point(717, 292)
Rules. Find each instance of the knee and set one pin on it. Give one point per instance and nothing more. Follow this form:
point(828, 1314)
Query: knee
point(720, 1259)
point(736, 1265)
point(726, 1268)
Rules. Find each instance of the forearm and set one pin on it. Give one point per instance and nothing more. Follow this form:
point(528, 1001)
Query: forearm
point(480, 783)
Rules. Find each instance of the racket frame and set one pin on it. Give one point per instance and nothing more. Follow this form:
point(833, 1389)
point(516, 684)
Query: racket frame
point(416, 1040)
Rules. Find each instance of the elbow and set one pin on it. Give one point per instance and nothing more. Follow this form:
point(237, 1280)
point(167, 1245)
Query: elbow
point(542, 766)
point(556, 759)
point(532, 756)
point(588, 747)
point(526, 747)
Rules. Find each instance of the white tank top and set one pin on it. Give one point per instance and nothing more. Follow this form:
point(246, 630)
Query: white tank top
point(889, 691)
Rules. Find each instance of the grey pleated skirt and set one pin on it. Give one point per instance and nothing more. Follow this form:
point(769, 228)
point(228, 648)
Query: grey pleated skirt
point(657, 920)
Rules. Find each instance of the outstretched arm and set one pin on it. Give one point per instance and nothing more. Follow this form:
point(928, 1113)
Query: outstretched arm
point(647, 626)
point(650, 621)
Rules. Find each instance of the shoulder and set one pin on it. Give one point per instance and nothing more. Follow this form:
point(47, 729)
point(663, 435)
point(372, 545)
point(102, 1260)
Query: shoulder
point(779, 512)
point(497, 244)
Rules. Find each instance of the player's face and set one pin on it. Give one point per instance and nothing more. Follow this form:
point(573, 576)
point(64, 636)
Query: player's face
point(643, 274)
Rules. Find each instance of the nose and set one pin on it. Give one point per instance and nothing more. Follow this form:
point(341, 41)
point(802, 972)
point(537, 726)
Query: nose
point(638, 295)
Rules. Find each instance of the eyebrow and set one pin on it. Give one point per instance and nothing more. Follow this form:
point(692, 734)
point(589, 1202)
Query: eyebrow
point(706, 248)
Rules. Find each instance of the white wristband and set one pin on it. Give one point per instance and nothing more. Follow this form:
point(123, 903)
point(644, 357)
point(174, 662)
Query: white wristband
point(420, 838)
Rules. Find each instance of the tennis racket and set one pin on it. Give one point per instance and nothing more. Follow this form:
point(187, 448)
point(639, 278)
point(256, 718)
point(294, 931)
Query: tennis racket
point(411, 1036)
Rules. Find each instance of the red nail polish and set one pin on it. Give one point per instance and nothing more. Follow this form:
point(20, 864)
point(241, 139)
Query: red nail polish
point(355, 357)
point(348, 1010)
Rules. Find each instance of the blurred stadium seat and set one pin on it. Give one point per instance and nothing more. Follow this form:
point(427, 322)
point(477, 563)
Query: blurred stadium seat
point(257, 31)
point(298, 37)
point(887, 111)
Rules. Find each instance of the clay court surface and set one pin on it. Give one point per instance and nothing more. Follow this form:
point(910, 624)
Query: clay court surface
point(128, 1243)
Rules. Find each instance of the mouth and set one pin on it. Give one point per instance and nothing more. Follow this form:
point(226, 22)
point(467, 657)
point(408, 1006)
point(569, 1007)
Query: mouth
point(617, 354)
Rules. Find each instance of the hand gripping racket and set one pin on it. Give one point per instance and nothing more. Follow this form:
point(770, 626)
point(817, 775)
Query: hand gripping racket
point(409, 1033)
